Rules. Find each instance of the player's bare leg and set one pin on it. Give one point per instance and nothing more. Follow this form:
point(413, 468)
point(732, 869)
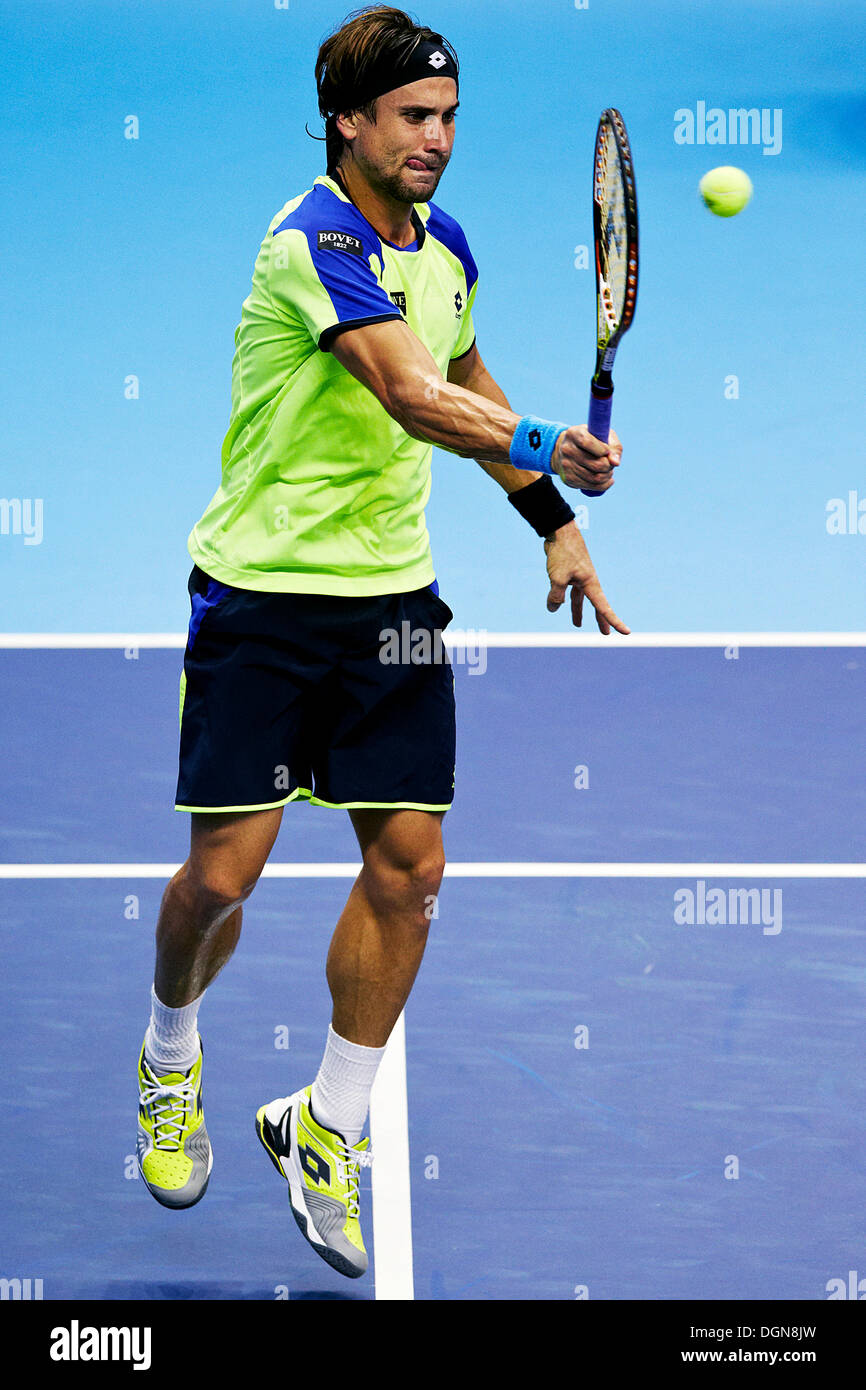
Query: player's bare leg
point(197, 931)
point(200, 917)
point(313, 1137)
point(379, 941)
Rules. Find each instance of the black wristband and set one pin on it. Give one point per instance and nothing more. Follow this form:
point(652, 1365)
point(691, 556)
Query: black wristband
point(542, 506)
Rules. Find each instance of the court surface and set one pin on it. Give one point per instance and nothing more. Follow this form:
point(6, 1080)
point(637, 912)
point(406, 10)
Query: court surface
point(633, 1056)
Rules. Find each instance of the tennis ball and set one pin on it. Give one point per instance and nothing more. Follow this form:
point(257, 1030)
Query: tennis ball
point(726, 190)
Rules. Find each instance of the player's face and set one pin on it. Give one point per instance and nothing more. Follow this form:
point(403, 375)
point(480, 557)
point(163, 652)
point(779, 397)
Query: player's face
point(404, 153)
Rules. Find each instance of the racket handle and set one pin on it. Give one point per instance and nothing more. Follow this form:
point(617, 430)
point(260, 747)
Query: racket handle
point(598, 424)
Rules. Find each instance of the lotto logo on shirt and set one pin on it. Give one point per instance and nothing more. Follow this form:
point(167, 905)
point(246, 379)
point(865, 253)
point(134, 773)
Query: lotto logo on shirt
point(340, 241)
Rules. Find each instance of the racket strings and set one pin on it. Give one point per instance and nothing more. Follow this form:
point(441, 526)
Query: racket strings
point(613, 244)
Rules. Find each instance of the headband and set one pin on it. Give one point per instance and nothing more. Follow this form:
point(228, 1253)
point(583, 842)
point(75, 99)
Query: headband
point(428, 59)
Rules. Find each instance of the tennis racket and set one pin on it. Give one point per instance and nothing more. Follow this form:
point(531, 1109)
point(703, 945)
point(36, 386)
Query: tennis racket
point(614, 211)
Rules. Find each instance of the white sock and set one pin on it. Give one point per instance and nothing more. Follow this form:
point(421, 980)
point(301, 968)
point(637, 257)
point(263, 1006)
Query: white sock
point(341, 1092)
point(171, 1042)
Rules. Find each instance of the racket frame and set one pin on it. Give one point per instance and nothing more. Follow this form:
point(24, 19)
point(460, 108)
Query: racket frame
point(601, 386)
point(606, 345)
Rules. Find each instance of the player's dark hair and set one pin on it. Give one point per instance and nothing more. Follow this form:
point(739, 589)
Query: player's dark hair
point(365, 40)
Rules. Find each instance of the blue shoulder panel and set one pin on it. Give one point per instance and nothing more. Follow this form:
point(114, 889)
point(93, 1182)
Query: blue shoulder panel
point(341, 243)
point(447, 230)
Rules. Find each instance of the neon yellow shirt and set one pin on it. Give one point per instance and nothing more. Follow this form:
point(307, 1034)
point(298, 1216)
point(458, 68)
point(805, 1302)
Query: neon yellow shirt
point(322, 492)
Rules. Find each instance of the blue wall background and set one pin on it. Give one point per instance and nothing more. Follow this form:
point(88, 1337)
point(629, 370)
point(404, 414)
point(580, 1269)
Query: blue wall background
point(133, 257)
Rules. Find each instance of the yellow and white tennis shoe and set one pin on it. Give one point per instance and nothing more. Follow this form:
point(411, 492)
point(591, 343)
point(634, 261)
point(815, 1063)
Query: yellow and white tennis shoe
point(174, 1152)
point(323, 1174)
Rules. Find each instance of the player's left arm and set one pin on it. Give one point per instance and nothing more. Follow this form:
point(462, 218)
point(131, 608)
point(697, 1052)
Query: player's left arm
point(568, 561)
point(470, 372)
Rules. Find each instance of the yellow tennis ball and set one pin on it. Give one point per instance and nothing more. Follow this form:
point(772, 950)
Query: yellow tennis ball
point(726, 190)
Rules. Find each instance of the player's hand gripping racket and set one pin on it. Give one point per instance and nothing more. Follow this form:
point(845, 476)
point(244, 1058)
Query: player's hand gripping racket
point(614, 210)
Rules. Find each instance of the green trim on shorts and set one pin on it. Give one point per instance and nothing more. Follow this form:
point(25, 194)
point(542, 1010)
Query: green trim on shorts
point(303, 792)
point(378, 805)
point(182, 696)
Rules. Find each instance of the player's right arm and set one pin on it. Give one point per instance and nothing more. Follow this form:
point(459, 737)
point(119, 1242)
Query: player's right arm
point(392, 362)
point(317, 277)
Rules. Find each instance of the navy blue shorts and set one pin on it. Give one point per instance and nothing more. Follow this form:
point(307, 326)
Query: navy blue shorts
point(344, 702)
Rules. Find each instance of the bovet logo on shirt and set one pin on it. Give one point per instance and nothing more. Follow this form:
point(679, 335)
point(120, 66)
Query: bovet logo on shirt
point(340, 241)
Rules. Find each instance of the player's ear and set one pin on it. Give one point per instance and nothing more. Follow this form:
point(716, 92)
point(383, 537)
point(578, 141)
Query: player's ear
point(347, 124)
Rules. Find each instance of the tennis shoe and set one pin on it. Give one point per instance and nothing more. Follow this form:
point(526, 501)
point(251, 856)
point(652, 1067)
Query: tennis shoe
point(323, 1174)
point(174, 1152)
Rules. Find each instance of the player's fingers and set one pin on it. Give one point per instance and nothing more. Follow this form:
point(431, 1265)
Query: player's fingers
point(602, 469)
point(575, 462)
point(582, 450)
point(600, 618)
point(604, 614)
point(614, 622)
point(574, 475)
point(577, 605)
point(580, 437)
point(555, 597)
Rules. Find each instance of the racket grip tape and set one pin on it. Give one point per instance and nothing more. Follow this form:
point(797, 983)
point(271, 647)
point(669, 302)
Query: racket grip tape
point(598, 424)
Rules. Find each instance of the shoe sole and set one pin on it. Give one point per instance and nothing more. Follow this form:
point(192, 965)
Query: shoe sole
point(176, 1206)
point(297, 1205)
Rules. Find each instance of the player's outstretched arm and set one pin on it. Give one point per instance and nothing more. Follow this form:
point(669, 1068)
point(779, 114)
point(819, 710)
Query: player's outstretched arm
point(394, 364)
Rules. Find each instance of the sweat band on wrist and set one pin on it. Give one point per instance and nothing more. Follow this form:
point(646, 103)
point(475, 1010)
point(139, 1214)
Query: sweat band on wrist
point(533, 443)
point(542, 506)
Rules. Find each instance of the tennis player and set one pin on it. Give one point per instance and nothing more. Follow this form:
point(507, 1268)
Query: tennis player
point(355, 354)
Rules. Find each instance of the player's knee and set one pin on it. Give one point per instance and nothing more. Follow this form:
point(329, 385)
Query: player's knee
point(424, 875)
point(214, 891)
point(426, 881)
point(409, 886)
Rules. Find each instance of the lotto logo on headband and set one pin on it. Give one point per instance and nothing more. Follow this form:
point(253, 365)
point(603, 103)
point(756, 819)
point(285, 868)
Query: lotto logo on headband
point(340, 241)
point(437, 59)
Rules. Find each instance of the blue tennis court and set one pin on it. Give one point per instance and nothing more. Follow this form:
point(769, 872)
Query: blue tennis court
point(632, 1056)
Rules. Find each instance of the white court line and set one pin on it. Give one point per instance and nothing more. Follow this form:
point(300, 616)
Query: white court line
point(392, 1204)
point(472, 638)
point(466, 869)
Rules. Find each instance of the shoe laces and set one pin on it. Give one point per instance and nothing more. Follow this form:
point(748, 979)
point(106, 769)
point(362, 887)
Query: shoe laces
point(353, 1160)
point(168, 1107)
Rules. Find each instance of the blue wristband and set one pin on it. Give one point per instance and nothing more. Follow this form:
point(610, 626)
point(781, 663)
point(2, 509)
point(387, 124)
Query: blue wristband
point(534, 442)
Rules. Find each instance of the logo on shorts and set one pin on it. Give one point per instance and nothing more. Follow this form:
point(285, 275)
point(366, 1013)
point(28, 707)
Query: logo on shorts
point(340, 241)
point(399, 299)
